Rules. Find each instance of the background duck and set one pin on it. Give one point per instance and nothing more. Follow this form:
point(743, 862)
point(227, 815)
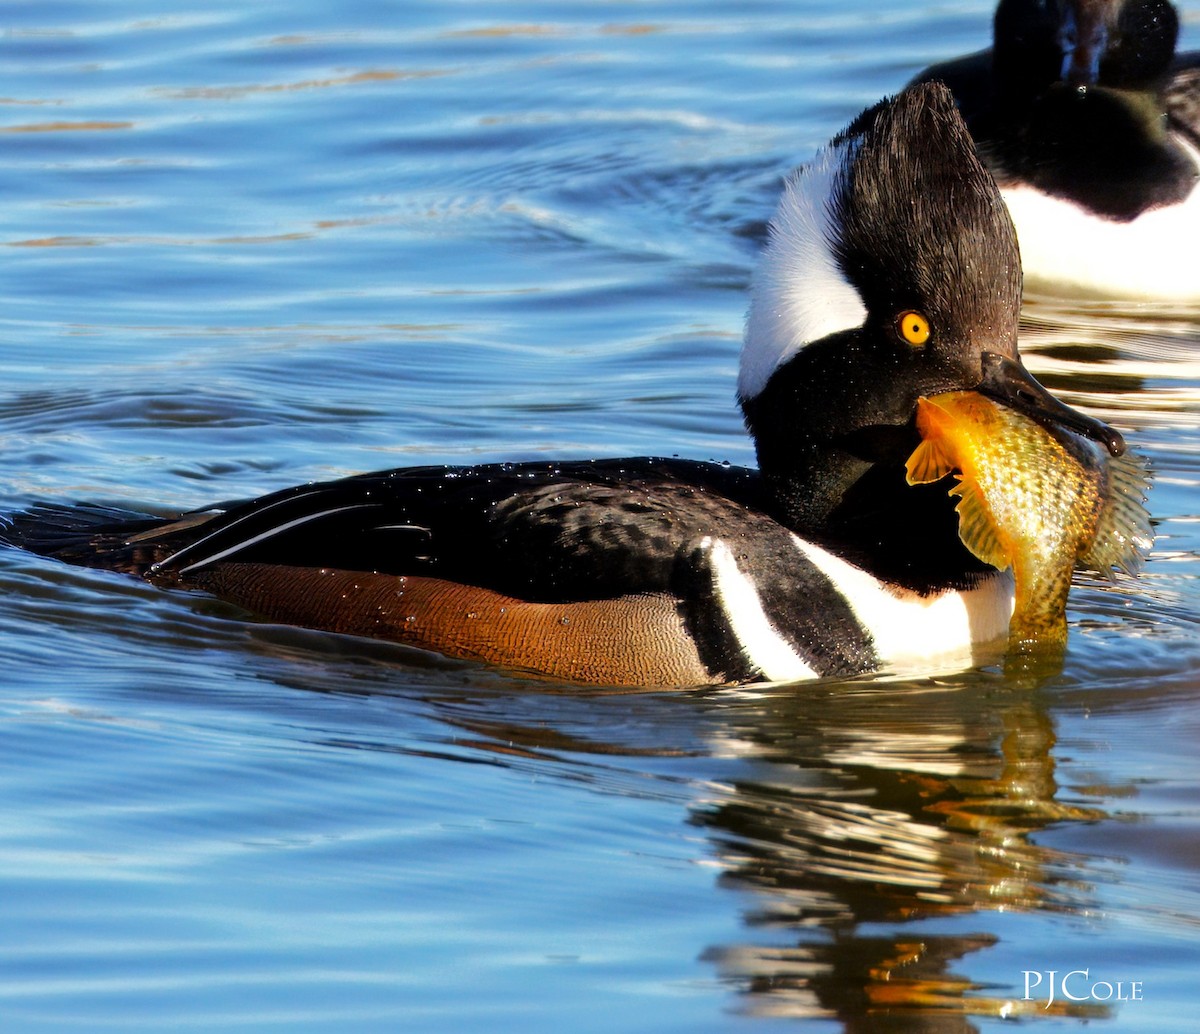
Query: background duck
point(1091, 124)
point(892, 273)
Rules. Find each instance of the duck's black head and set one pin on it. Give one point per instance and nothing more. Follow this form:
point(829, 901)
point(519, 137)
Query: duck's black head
point(1121, 44)
point(891, 268)
point(892, 272)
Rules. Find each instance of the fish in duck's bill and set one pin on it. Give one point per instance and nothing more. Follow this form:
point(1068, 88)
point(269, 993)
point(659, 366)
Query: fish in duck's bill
point(892, 275)
point(1036, 499)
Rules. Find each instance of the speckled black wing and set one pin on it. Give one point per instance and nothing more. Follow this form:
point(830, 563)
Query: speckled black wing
point(549, 532)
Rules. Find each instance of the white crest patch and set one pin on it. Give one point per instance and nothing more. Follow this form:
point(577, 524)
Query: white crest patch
point(799, 293)
point(765, 648)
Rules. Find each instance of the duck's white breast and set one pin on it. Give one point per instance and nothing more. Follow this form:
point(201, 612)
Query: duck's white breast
point(910, 630)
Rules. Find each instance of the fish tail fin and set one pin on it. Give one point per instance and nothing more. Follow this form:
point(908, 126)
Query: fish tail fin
point(1123, 533)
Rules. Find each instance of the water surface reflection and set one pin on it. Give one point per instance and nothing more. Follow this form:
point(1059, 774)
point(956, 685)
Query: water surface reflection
point(867, 813)
point(868, 827)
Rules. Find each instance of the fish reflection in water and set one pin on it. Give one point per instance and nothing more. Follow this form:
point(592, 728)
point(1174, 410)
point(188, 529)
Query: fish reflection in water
point(888, 805)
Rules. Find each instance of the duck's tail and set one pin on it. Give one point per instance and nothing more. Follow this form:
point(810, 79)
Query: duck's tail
point(89, 535)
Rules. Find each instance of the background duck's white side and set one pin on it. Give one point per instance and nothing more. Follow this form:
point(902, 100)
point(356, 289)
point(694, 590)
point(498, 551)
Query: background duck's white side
point(1068, 248)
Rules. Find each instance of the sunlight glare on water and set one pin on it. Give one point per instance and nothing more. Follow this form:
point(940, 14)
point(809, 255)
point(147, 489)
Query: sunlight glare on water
point(250, 245)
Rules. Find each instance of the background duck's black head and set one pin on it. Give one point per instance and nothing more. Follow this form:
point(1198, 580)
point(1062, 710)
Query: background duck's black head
point(899, 232)
point(1122, 44)
point(1080, 106)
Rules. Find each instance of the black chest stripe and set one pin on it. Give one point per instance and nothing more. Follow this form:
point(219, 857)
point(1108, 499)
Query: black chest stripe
point(810, 611)
point(765, 610)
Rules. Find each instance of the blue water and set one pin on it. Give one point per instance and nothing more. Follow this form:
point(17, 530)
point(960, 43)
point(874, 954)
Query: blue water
point(246, 245)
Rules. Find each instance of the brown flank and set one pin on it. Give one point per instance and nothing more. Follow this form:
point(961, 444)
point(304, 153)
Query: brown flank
point(636, 640)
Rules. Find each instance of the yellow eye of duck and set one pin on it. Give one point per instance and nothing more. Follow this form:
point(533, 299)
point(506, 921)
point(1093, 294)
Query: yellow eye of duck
point(913, 327)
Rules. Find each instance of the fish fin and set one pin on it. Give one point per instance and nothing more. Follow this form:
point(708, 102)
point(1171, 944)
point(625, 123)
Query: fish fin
point(1123, 533)
point(929, 462)
point(976, 526)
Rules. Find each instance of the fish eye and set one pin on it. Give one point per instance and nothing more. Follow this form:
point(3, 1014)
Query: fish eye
point(913, 327)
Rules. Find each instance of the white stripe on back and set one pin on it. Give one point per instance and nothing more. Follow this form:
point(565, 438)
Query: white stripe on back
point(237, 547)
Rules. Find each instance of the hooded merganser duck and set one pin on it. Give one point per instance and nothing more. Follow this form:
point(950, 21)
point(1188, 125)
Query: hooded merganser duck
point(892, 273)
point(1090, 123)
